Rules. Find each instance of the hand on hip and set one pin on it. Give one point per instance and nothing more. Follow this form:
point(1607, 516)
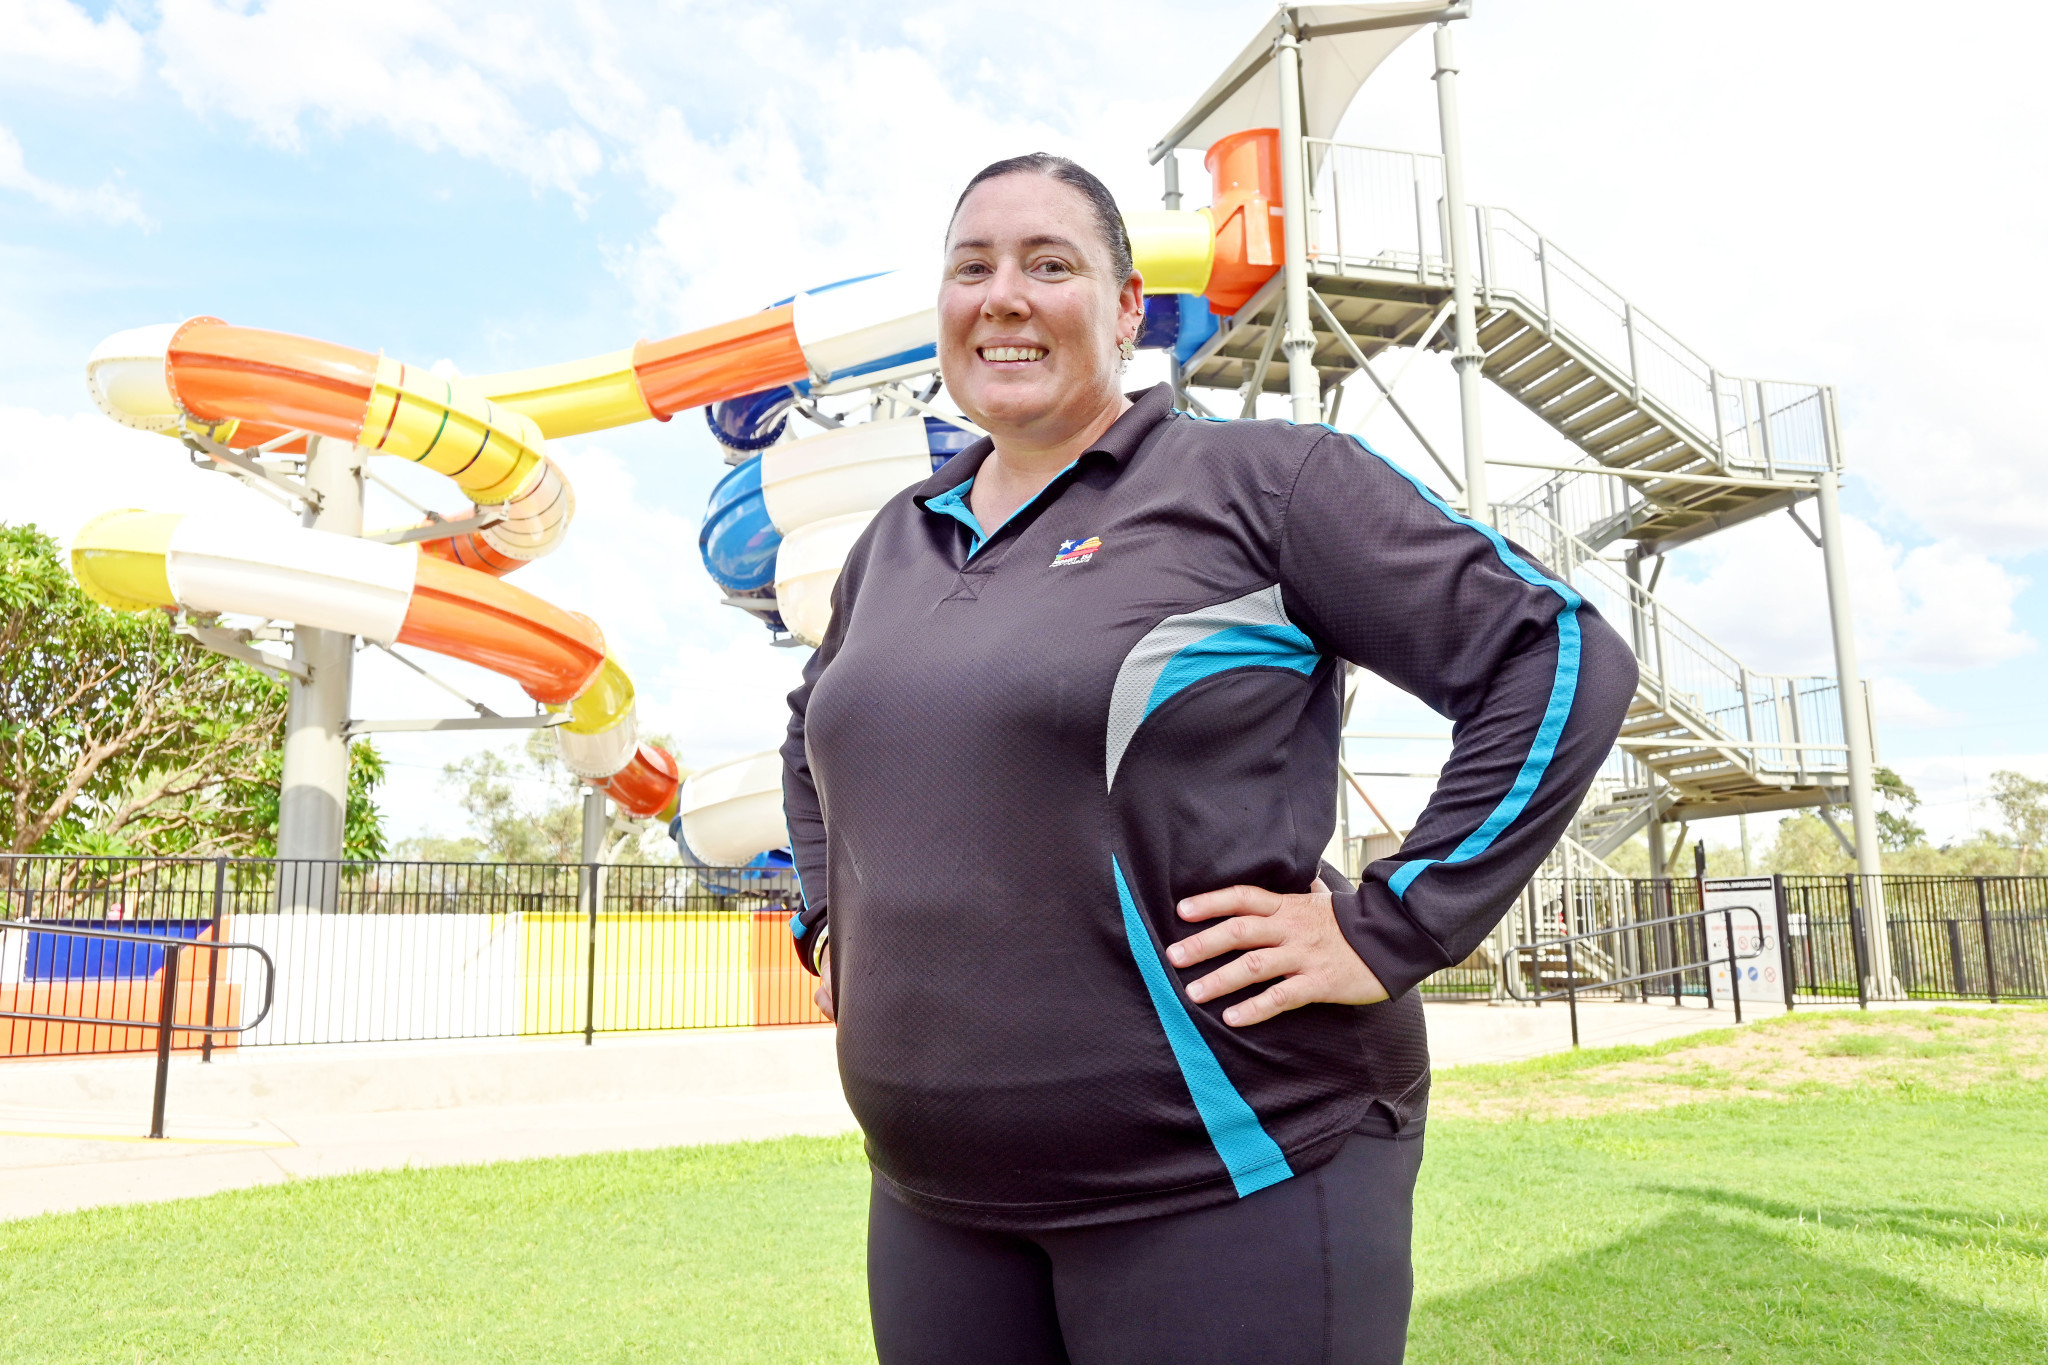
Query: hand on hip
point(1292, 938)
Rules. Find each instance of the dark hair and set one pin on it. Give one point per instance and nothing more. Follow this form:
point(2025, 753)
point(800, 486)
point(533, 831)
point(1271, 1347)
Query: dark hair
point(1109, 221)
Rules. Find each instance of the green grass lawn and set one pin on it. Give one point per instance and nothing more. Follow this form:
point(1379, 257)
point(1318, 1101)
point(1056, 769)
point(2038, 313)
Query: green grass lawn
point(1829, 1188)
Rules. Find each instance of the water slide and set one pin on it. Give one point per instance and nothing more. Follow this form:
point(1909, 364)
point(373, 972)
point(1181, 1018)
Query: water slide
point(777, 531)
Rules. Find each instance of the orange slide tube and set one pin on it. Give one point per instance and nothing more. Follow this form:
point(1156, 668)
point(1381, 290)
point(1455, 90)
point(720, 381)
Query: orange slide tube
point(221, 373)
point(649, 785)
point(1245, 169)
point(552, 653)
point(745, 356)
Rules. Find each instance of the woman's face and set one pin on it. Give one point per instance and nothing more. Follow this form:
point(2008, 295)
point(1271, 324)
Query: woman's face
point(1030, 311)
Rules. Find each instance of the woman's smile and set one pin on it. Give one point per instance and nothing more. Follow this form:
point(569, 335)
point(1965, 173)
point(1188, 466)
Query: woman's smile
point(1011, 355)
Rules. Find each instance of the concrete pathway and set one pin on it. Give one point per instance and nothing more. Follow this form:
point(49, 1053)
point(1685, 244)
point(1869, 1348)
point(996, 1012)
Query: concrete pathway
point(71, 1128)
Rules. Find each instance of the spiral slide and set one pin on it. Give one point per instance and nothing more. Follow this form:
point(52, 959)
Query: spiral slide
point(244, 387)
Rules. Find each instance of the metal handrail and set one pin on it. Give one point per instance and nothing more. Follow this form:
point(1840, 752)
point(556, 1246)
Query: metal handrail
point(1572, 988)
point(1731, 707)
point(166, 1022)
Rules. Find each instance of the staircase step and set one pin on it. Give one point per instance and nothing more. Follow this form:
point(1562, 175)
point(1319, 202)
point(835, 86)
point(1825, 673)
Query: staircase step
point(1656, 442)
point(1574, 402)
point(1532, 367)
point(1589, 421)
point(1553, 384)
point(1629, 426)
point(1511, 344)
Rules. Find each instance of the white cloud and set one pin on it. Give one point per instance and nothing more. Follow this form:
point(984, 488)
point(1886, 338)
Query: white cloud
point(425, 76)
point(56, 45)
point(1760, 592)
point(1955, 789)
point(61, 471)
point(1981, 480)
point(106, 202)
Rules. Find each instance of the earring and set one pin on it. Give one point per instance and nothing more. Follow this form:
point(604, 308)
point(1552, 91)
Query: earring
point(1128, 349)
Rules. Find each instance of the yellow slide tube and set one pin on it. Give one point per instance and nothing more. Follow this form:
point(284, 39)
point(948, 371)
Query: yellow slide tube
point(571, 398)
point(119, 558)
point(1174, 249)
point(416, 415)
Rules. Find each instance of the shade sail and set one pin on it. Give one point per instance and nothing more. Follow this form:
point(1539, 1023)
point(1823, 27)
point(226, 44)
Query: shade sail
point(1343, 44)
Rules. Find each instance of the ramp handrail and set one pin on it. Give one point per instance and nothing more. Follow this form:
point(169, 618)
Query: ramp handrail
point(166, 1023)
point(1572, 987)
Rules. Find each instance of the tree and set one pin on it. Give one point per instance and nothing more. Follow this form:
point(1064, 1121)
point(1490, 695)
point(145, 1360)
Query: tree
point(119, 737)
point(1897, 832)
point(523, 807)
point(115, 733)
point(2023, 803)
point(362, 834)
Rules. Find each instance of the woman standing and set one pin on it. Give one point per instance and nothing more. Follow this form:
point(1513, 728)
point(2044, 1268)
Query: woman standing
point(1138, 1084)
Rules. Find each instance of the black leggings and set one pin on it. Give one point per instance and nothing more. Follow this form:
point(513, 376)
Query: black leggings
point(1312, 1271)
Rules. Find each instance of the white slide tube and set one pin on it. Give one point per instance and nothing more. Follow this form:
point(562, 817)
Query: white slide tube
point(311, 578)
point(732, 811)
point(861, 333)
point(806, 568)
point(853, 469)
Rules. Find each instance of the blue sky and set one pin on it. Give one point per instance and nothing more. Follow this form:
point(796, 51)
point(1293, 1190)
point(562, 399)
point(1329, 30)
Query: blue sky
point(1841, 193)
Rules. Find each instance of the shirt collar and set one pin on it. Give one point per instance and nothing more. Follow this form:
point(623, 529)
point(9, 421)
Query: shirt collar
point(1149, 407)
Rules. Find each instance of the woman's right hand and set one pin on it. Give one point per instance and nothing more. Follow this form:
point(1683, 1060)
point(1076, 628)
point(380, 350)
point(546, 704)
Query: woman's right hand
point(823, 995)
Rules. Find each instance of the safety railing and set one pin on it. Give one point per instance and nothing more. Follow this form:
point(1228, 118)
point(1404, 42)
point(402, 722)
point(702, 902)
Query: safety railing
point(1781, 725)
point(1376, 209)
point(1381, 209)
point(180, 1007)
point(1950, 938)
point(1637, 952)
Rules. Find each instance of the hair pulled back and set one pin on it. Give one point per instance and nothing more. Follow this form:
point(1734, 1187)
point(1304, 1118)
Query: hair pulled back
point(1109, 220)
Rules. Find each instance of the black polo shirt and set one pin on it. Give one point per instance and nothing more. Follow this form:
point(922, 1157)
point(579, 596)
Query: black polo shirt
point(1019, 747)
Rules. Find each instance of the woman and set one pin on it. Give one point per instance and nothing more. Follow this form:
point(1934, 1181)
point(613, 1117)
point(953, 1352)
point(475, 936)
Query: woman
point(1139, 1084)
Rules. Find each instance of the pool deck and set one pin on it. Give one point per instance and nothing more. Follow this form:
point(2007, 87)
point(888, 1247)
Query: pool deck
point(71, 1129)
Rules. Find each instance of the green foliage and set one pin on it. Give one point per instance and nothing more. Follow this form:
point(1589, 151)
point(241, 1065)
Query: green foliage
point(362, 836)
point(116, 734)
point(1895, 829)
point(523, 807)
point(2022, 803)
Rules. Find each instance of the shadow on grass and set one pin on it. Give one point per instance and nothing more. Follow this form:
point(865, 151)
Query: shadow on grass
point(1706, 1286)
point(1963, 1228)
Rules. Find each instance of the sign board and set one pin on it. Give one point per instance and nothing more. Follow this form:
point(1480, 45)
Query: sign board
point(1763, 975)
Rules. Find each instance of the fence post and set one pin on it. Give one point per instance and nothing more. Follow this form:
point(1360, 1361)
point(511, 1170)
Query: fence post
point(166, 1015)
point(1571, 991)
point(1856, 943)
point(220, 886)
point(1990, 962)
point(1787, 959)
point(590, 960)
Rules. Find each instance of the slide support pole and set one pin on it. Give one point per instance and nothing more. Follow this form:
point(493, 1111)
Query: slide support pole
point(1298, 340)
point(1467, 358)
point(313, 792)
point(1856, 735)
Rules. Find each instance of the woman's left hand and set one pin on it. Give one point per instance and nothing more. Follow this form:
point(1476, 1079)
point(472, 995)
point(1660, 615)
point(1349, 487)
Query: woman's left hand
point(1295, 938)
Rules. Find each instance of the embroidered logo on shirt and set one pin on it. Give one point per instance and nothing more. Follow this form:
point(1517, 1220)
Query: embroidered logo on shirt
point(1076, 551)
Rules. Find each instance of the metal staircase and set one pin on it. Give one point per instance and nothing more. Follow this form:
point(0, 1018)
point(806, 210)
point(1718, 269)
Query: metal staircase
point(1706, 735)
point(1561, 341)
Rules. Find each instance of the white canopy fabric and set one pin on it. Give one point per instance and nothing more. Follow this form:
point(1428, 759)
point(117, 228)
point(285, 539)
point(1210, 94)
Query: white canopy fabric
point(1342, 45)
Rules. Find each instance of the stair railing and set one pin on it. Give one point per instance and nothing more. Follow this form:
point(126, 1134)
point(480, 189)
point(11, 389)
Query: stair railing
point(1777, 725)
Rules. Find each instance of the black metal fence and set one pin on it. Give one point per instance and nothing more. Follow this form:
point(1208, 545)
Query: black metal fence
point(371, 952)
point(1943, 938)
